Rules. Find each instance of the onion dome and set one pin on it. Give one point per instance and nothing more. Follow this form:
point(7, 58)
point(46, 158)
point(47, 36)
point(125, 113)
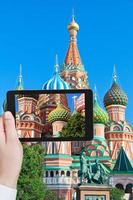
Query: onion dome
point(59, 114)
point(99, 115)
point(73, 25)
point(80, 103)
point(20, 80)
point(115, 95)
point(56, 82)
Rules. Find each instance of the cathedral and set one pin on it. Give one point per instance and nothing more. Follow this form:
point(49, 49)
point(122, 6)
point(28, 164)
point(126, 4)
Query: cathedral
point(113, 134)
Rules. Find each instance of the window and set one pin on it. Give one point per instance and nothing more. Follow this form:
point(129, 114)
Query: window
point(68, 173)
point(51, 174)
point(127, 129)
point(62, 173)
point(57, 173)
point(46, 173)
point(116, 128)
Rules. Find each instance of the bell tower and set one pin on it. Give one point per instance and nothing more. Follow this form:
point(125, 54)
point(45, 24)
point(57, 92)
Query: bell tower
point(73, 70)
point(118, 131)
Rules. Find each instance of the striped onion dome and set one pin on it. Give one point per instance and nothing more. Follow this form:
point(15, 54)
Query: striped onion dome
point(99, 115)
point(80, 103)
point(58, 114)
point(115, 95)
point(56, 82)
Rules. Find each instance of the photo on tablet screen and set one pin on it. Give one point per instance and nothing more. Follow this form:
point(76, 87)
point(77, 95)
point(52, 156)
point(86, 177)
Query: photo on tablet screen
point(52, 115)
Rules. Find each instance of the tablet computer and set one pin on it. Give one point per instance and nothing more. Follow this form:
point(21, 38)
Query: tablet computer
point(52, 115)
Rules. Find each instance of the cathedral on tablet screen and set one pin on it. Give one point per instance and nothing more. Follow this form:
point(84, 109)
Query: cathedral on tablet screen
point(113, 134)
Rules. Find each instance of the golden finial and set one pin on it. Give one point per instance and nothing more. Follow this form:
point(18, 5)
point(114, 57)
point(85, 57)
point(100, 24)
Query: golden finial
point(73, 25)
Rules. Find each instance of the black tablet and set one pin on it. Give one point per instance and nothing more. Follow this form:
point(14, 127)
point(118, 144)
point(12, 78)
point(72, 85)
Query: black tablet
point(52, 115)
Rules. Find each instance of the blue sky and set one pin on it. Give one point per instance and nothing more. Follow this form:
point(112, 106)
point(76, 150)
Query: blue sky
point(33, 31)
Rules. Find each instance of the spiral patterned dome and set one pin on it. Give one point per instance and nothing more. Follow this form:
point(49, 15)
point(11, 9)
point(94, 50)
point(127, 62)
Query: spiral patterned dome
point(58, 114)
point(56, 82)
point(99, 115)
point(115, 96)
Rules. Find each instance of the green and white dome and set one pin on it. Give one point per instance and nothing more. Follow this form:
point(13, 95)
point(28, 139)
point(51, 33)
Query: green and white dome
point(99, 115)
point(58, 114)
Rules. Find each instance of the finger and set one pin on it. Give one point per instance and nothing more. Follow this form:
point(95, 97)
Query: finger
point(2, 132)
point(9, 125)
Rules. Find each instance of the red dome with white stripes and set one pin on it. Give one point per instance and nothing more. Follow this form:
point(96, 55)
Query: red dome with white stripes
point(80, 103)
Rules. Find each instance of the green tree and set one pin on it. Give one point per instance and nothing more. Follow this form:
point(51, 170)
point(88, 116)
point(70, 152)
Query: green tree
point(75, 126)
point(30, 183)
point(116, 194)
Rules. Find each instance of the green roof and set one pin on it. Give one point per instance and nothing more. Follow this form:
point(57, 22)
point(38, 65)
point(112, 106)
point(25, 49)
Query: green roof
point(122, 165)
point(58, 156)
point(99, 115)
point(56, 168)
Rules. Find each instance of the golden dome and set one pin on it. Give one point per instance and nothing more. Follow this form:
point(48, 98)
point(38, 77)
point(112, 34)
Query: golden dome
point(73, 25)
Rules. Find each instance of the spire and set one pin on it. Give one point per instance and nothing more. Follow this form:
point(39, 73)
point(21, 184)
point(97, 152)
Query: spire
point(95, 93)
point(73, 57)
point(122, 164)
point(74, 101)
point(115, 74)
point(56, 63)
point(73, 71)
point(20, 79)
point(73, 16)
point(58, 100)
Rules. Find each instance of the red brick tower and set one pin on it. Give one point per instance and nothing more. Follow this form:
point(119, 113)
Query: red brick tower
point(73, 70)
point(118, 131)
point(28, 123)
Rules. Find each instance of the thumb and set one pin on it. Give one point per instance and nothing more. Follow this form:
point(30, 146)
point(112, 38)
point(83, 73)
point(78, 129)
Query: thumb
point(9, 125)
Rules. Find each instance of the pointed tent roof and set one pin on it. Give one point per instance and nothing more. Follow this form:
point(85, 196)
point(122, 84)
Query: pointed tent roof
point(122, 165)
point(73, 57)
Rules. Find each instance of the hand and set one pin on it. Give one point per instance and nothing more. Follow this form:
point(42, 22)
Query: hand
point(11, 152)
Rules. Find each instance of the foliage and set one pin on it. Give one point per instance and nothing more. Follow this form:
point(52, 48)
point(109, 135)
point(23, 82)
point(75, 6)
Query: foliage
point(30, 183)
point(116, 194)
point(75, 127)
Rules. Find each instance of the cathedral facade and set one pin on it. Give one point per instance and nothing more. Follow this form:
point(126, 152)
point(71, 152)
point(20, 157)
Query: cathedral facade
point(111, 129)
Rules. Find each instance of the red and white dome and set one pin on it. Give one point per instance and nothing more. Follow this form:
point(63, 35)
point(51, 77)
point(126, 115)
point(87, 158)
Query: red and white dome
point(80, 103)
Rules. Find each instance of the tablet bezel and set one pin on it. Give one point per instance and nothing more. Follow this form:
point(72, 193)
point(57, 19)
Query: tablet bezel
point(88, 112)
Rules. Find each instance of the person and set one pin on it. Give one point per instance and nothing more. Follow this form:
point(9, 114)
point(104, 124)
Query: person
point(85, 167)
point(11, 155)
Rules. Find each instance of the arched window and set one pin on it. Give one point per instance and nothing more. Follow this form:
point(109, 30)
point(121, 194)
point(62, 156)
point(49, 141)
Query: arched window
point(68, 173)
point(116, 128)
point(127, 129)
point(57, 173)
point(129, 188)
point(62, 173)
point(46, 173)
point(119, 186)
point(51, 174)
